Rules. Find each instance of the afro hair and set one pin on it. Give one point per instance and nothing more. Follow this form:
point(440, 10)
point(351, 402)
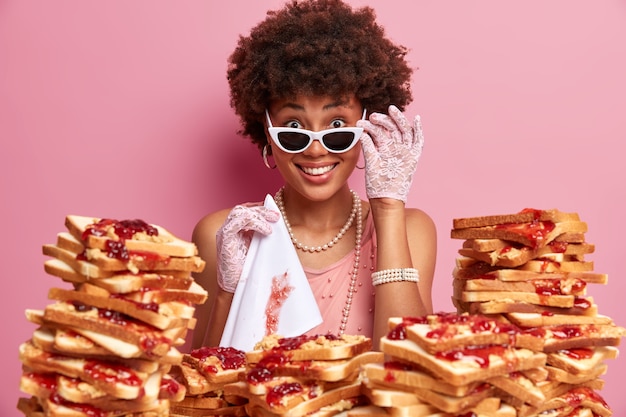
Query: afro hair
point(318, 48)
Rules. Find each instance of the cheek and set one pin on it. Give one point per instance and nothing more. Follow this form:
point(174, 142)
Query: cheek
point(353, 155)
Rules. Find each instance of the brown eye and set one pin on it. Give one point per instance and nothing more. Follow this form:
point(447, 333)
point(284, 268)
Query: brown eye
point(337, 123)
point(294, 125)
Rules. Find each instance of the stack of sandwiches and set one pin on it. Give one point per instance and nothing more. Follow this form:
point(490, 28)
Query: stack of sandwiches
point(311, 376)
point(450, 364)
point(529, 269)
point(104, 347)
point(204, 372)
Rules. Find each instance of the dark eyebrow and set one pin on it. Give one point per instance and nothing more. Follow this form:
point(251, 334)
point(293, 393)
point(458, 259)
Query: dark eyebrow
point(329, 106)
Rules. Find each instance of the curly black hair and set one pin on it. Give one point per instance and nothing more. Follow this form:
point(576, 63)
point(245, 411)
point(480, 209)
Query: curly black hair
point(320, 48)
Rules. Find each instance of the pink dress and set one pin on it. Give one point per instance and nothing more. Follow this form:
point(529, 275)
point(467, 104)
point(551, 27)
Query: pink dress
point(330, 287)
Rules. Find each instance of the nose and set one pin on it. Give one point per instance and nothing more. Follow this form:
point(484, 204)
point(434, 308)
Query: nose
point(316, 148)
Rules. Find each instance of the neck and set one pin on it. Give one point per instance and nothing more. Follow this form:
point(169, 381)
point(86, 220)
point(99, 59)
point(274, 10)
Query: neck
point(318, 214)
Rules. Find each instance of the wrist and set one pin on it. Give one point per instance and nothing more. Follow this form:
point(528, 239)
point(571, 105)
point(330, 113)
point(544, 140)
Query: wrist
point(386, 203)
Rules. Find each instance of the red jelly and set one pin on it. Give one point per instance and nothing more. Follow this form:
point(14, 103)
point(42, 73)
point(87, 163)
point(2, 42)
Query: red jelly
point(112, 373)
point(479, 354)
point(229, 357)
point(85, 409)
point(578, 353)
point(276, 394)
point(535, 231)
point(125, 229)
point(258, 375)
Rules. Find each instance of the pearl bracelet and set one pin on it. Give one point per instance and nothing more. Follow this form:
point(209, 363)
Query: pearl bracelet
point(395, 275)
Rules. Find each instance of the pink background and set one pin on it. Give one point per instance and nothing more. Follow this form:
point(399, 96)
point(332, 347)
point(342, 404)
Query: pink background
point(120, 109)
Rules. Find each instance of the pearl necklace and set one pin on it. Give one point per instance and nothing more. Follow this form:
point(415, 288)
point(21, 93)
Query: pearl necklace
point(356, 209)
point(312, 249)
point(355, 269)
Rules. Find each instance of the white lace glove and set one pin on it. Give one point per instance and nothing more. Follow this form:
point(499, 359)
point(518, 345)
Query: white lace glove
point(233, 240)
point(391, 147)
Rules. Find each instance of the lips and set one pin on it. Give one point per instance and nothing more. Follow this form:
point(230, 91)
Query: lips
point(317, 170)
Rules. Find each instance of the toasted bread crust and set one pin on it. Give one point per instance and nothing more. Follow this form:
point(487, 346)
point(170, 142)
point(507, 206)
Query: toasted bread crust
point(163, 241)
point(319, 347)
point(524, 216)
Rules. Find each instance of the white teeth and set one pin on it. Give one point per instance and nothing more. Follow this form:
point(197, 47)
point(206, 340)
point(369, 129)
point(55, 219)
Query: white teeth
point(317, 171)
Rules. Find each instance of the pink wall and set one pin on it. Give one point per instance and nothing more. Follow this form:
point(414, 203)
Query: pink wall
point(120, 109)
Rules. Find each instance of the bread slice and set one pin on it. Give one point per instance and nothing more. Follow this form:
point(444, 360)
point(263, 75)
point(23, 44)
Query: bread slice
point(580, 336)
point(452, 404)
point(519, 386)
point(465, 366)
point(536, 234)
point(511, 256)
point(549, 266)
point(162, 316)
point(447, 331)
point(485, 271)
point(306, 348)
point(292, 402)
point(177, 410)
point(219, 365)
point(148, 339)
point(133, 261)
point(80, 392)
point(330, 371)
point(122, 382)
point(562, 301)
point(195, 383)
point(568, 243)
point(582, 360)
point(205, 402)
point(136, 235)
point(158, 408)
point(526, 215)
point(69, 269)
point(30, 407)
point(404, 376)
point(577, 397)
point(547, 286)
point(263, 387)
point(540, 320)
point(582, 306)
point(389, 397)
point(563, 376)
point(171, 390)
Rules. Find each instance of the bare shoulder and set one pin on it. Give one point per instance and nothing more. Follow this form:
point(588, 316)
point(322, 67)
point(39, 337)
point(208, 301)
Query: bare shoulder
point(208, 225)
point(418, 221)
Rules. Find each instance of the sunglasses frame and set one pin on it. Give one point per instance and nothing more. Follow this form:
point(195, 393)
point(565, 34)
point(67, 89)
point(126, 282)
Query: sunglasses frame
point(313, 136)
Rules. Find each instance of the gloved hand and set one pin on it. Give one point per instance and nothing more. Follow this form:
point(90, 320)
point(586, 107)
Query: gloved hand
point(233, 239)
point(391, 147)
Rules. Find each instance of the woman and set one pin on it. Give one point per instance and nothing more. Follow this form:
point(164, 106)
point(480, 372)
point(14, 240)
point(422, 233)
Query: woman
point(314, 84)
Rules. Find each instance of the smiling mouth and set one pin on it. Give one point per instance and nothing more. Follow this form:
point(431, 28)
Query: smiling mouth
point(317, 170)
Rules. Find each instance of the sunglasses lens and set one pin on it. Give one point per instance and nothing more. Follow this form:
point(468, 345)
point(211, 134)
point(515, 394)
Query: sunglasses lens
point(293, 141)
point(338, 141)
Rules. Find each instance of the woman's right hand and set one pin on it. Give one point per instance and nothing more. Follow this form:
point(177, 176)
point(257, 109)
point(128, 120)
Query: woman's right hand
point(233, 240)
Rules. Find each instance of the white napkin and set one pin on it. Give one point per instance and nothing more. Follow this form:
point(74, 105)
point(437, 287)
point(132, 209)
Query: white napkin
point(270, 258)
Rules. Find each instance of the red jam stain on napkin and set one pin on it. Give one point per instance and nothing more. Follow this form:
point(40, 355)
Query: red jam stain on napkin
point(280, 292)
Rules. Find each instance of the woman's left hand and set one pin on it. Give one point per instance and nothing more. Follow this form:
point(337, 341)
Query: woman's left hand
point(392, 147)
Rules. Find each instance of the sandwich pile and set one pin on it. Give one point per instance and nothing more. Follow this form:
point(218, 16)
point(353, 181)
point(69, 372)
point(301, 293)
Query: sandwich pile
point(304, 376)
point(104, 347)
point(204, 372)
point(528, 269)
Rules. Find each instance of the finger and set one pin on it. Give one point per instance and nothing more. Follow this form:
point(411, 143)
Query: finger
point(258, 224)
point(268, 214)
point(376, 133)
point(419, 134)
point(369, 149)
point(402, 124)
point(383, 121)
